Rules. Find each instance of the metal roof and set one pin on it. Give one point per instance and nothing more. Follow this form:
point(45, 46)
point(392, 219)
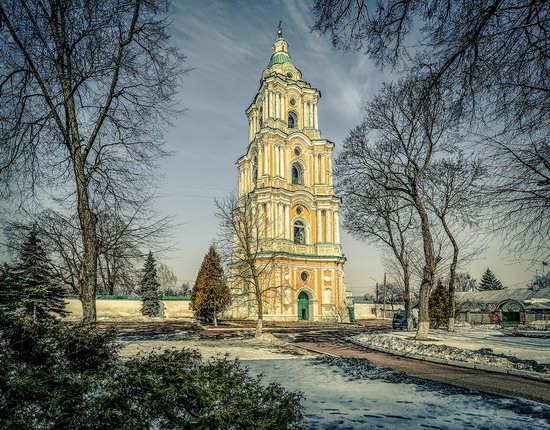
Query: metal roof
point(526, 296)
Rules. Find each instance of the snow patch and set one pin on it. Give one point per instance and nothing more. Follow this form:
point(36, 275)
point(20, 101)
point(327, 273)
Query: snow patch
point(484, 356)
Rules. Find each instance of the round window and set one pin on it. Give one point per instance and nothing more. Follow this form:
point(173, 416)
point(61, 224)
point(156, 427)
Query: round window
point(297, 151)
point(304, 276)
point(299, 210)
point(292, 102)
point(289, 75)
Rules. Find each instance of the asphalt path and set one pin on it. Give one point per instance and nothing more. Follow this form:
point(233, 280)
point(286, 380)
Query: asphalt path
point(335, 343)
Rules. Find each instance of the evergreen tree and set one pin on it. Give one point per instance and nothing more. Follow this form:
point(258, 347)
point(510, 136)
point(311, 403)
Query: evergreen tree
point(10, 289)
point(439, 305)
point(40, 294)
point(149, 289)
point(210, 295)
point(489, 281)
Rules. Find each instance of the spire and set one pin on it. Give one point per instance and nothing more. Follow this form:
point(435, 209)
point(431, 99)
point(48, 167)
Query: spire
point(280, 49)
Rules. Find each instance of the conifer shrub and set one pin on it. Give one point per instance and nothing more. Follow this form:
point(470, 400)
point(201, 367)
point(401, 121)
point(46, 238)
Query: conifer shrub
point(149, 289)
point(489, 281)
point(61, 376)
point(210, 295)
point(29, 287)
point(439, 305)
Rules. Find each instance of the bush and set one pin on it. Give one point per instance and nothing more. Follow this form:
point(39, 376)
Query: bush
point(439, 306)
point(59, 376)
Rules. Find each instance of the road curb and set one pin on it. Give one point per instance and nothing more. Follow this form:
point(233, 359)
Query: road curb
point(479, 366)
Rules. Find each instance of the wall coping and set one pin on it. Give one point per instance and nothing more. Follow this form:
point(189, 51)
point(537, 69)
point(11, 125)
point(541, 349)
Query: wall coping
point(105, 297)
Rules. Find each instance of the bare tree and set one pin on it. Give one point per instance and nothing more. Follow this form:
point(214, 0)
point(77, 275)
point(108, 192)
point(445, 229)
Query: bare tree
point(123, 242)
point(242, 230)
point(372, 213)
point(495, 57)
point(167, 279)
point(453, 194)
point(405, 125)
point(86, 90)
point(464, 282)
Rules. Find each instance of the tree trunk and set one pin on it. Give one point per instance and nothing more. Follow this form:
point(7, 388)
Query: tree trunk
point(260, 322)
point(89, 241)
point(259, 326)
point(423, 329)
point(215, 320)
point(427, 274)
point(408, 307)
point(452, 276)
point(259, 299)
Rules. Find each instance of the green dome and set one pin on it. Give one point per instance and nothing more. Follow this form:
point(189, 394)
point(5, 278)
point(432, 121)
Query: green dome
point(279, 58)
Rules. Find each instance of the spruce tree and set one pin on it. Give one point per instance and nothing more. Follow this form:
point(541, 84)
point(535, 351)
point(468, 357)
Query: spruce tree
point(439, 305)
point(10, 289)
point(149, 289)
point(489, 281)
point(40, 294)
point(210, 295)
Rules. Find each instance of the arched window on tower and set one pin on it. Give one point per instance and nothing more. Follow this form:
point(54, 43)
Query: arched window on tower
point(292, 120)
point(299, 233)
point(297, 174)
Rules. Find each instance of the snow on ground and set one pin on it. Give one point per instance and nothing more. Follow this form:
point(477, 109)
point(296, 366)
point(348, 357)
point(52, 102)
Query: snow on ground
point(487, 347)
point(354, 394)
point(266, 348)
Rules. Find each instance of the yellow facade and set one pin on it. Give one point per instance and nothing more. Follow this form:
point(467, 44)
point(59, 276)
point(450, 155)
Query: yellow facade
point(287, 170)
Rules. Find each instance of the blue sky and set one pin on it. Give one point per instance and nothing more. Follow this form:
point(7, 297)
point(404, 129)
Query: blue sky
point(228, 45)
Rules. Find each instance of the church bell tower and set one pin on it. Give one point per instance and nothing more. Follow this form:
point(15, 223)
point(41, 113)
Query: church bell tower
point(287, 171)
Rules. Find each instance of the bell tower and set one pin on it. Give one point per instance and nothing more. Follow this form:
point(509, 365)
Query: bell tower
point(287, 170)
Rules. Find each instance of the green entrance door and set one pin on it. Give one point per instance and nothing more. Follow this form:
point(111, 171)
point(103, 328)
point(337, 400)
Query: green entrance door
point(303, 306)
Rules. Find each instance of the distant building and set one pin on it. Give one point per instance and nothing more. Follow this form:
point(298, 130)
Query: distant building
point(287, 170)
point(516, 305)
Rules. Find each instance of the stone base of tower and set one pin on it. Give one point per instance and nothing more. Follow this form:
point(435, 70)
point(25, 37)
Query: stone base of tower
point(296, 288)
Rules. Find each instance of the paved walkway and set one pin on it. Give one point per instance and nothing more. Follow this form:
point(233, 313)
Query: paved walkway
point(495, 383)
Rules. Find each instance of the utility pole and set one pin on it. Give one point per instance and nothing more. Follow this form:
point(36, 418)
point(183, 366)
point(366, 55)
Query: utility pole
point(384, 307)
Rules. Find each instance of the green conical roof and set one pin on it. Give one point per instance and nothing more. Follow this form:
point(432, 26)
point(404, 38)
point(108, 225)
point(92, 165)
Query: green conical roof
point(279, 58)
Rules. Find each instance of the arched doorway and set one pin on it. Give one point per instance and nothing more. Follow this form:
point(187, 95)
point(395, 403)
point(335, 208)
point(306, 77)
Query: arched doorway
point(303, 306)
point(512, 311)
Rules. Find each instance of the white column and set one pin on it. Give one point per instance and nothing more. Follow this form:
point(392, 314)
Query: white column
point(276, 161)
point(315, 123)
point(269, 220)
point(260, 161)
point(330, 170)
point(319, 224)
point(240, 182)
point(264, 109)
point(282, 168)
point(264, 166)
point(336, 227)
point(280, 157)
point(322, 170)
point(329, 226)
point(281, 221)
point(287, 221)
point(277, 105)
point(326, 226)
point(306, 115)
point(283, 101)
